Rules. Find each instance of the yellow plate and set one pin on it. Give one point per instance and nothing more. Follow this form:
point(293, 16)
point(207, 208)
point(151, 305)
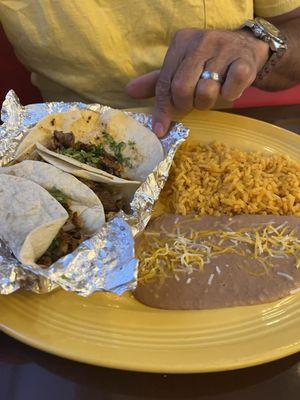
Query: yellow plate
point(122, 333)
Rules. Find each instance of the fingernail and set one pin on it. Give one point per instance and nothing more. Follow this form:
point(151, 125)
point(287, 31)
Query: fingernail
point(159, 129)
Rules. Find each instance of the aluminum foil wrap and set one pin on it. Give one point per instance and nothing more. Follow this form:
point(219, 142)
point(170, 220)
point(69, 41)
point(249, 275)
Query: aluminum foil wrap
point(105, 262)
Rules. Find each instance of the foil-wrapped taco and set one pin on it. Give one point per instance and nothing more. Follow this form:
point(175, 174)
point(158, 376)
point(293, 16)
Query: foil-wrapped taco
point(45, 212)
point(108, 147)
point(45, 137)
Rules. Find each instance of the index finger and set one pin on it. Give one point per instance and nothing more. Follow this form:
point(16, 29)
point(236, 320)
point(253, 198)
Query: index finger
point(163, 103)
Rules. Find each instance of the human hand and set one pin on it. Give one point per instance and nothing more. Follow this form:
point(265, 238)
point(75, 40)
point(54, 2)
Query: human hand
point(237, 56)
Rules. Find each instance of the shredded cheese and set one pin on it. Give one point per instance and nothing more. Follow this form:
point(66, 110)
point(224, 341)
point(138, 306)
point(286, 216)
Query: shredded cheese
point(210, 279)
point(170, 252)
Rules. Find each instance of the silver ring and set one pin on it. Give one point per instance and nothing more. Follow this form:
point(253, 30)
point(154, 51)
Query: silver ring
point(212, 75)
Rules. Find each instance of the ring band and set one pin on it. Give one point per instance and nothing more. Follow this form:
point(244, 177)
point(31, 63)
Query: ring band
point(212, 75)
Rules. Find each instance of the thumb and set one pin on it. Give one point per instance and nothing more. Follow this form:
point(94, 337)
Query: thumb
point(143, 87)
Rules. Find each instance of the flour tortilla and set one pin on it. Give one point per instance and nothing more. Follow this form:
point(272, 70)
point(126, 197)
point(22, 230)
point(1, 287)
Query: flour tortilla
point(124, 128)
point(82, 199)
point(88, 126)
point(224, 282)
point(79, 169)
point(30, 218)
point(80, 122)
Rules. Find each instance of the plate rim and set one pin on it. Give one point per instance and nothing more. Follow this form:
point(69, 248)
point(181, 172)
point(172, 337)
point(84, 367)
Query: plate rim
point(268, 356)
point(263, 358)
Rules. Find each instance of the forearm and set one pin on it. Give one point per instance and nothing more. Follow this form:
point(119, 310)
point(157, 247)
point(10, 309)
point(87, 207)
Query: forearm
point(287, 72)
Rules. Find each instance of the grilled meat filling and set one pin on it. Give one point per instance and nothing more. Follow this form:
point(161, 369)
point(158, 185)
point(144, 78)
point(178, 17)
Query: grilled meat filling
point(107, 155)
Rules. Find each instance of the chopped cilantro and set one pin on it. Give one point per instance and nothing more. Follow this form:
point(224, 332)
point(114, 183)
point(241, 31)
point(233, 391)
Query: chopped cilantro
point(131, 144)
point(90, 157)
point(91, 154)
point(60, 197)
point(117, 149)
point(53, 247)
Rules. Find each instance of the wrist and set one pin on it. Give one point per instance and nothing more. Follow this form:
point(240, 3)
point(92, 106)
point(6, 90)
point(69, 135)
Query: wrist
point(273, 37)
point(261, 49)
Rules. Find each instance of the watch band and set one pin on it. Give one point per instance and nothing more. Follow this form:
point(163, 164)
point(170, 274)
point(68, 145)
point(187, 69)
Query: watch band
point(271, 62)
point(264, 30)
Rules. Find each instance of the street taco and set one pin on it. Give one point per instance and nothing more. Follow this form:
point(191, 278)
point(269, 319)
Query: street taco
point(81, 199)
point(190, 262)
point(30, 218)
point(109, 146)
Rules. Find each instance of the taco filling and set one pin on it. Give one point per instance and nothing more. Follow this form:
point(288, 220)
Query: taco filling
point(111, 199)
point(107, 146)
point(68, 238)
point(107, 155)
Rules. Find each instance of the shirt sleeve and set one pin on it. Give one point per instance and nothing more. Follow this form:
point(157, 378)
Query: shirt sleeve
point(272, 8)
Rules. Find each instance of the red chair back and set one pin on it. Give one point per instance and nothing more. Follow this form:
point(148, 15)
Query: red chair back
point(13, 75)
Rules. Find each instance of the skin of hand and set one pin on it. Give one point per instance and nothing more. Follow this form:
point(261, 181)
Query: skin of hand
point(236, 55)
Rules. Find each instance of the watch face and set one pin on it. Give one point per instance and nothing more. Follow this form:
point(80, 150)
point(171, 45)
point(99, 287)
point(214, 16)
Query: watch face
point(271, 29)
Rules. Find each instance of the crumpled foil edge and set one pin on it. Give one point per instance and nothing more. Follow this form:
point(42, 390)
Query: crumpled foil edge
point(105, 262)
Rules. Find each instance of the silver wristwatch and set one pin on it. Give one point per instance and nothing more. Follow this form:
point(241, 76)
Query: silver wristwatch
point(267, 32)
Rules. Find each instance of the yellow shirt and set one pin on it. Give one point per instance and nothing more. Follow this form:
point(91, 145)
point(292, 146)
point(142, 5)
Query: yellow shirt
point(89, 49)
